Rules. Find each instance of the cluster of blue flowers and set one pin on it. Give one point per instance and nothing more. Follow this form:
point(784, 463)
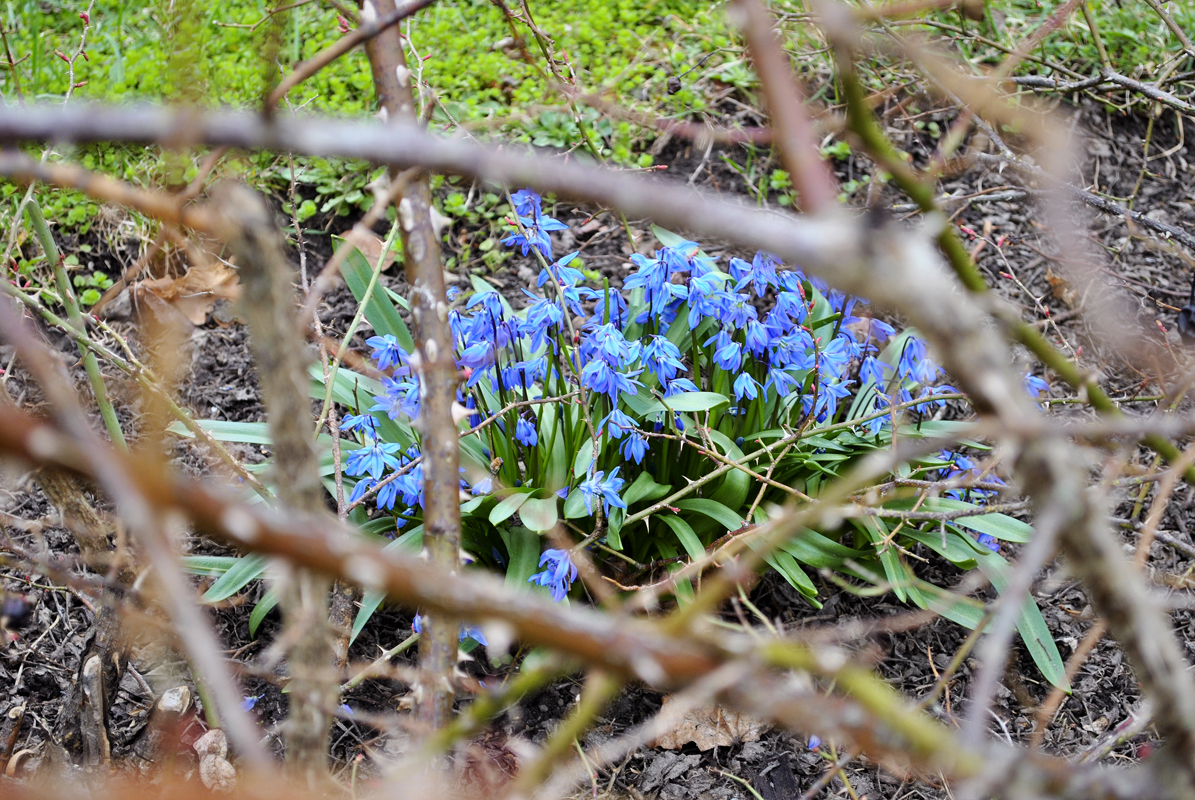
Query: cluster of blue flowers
point(778, 345)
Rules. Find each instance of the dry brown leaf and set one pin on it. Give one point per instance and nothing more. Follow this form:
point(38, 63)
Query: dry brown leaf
point(370, 245)
point(709, 728)
point(216, 772)
point(194, 295)
point(1061, 288)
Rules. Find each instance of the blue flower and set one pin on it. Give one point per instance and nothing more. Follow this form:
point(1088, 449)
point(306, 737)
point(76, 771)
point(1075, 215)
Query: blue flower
point(872, 371)
point(680, 385)
point(608, 343)
point(536, 234)
point(651, 275)
point(746, 386)
point(386, 351)
point(402, 397)
point(758, 338)
point(363, 486)
point(792, 306)
point(564, 274)
point(728, 354)
point(914, 351)
point(527, 203)
point(926, 371)
point(542, 316)
point(473, 632)
point(616, 313)
point(387, 495)
point(815, 742)
point(635, 447)
point(989, 541)
point(598, 375)
point(525, 432)
point(559, 574)
point(1034, 385)
point(365, 423)
point(760, 273)
point(780, 381)
point(619, 423)
point(737, 310)
point(706, 298)
point(249, 702)
point(879, 330)
point(372, 459)
point(682, 257)
point(662, 358)
point(607, 489)
point(794, 350)
point(467, 631)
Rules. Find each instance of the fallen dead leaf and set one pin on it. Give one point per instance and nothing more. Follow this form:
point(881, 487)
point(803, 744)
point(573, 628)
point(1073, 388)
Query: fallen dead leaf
point(709, 728)
point(216, 772)
point(1061, 288)
point(370, 245)
point(195, 293)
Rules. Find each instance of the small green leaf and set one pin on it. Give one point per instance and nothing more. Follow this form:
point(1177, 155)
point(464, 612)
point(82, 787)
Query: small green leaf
point(539, 514)
point(506, 508)
point(574, 505)
point(644, 489)
point(689, 402)
point(585, 457)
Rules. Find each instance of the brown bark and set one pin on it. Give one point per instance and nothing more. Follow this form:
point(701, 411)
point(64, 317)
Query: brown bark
point(281, 357)
point(436, 369)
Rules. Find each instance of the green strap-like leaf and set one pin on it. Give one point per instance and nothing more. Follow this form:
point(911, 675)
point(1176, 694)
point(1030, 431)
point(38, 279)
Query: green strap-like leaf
point(724, 516)
point(238, 576)
point(1030, 624)
point(684, 532)
point(523, 547)
point(379, 309)
point(410, 542)
point(264, 606)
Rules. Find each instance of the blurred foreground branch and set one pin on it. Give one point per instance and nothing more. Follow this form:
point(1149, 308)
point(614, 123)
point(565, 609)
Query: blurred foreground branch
point(888, 727)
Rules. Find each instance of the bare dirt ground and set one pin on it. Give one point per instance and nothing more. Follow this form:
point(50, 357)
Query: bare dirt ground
point(39, 669)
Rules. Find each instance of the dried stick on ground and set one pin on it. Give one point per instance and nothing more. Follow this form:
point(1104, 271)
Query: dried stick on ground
point(434, 364)
point(281, 358)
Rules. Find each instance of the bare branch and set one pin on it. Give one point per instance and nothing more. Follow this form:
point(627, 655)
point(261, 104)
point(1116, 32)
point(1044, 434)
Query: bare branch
point(792, 130)
point(435, 367)
point(344, 44)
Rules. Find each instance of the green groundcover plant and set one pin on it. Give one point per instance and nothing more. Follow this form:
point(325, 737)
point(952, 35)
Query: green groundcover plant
point(653, 421)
